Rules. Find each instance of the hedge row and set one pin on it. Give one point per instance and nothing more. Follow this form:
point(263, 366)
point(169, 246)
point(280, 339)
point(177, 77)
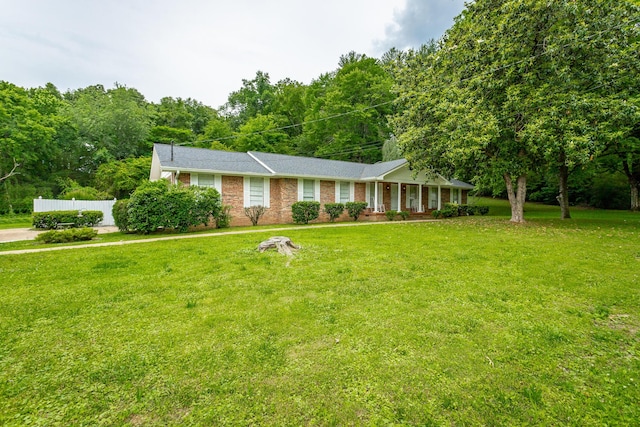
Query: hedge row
point(453, 209)
point(303, 212)
point(50, 220)
point(67, 236)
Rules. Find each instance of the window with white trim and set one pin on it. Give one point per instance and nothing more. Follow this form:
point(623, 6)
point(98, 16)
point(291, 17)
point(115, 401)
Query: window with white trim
point(206, 181)
point(256, 191)
point(455, 195)
point(308, 190)
point(433, 198)
point(344, 192)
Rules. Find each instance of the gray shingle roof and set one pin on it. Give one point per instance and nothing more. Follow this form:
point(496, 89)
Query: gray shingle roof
point(189, 158)
point(461, 184)
point(308, 166)
point(201, 159)
point(382, 168)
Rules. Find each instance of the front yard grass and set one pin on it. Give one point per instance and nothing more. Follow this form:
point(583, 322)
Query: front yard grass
point(15, 221)
point(469, 321)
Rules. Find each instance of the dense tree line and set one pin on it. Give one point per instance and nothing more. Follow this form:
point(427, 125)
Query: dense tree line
point(549, 109)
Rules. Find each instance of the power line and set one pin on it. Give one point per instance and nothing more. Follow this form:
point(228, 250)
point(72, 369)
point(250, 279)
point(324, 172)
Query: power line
point(635, 22)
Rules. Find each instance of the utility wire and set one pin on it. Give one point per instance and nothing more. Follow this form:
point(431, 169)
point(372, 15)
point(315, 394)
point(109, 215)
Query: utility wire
point(635, 22)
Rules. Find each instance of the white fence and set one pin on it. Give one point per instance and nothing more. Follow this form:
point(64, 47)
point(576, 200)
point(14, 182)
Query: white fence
point(106, 206)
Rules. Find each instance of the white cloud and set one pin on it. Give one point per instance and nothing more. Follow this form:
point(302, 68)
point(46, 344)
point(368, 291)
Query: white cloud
point(192, 48)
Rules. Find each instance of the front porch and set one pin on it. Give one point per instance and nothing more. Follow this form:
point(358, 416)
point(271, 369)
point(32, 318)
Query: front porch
point(417, 199)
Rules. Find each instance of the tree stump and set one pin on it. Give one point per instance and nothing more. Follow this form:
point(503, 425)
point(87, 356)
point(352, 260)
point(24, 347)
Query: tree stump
point(284, 245)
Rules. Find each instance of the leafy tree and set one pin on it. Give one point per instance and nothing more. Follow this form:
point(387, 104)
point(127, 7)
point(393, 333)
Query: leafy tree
point(253, 98)
point(216, 134)
point(26, 134)
point(390, 149)
point(349, 120)
point(167, 135)
point(516, 85)
point(289, 105)
point(261, 133)
point(112, 124)
point(28, 151)
point(185, 114)
point(623, 155)
point(120, 178)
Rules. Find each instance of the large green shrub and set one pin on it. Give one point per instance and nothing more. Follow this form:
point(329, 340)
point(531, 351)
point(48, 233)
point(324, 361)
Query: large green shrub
point(303, 212)
point(391, 214)
point(179, 209)
point(66, 236)
point(334, 210)
point(120, 214)
point(158, 204)
point(208, 207)
point(51, 219)
point(355, 209)
point(147, 208)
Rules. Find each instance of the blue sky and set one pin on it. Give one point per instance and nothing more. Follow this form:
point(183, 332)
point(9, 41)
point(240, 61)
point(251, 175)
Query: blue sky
point(198, 48)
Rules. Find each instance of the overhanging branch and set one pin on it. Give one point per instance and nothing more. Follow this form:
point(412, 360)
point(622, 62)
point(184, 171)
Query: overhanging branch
point(12, 172)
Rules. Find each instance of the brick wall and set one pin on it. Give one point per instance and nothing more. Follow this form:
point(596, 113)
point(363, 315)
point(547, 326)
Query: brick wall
point(284, 193)
point(233, 195)
point(185, 178)
point(360, 192)
point(445, 196)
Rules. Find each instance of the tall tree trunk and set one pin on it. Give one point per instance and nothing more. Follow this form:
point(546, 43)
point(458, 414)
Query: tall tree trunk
point(635, 186)
point(516, 196)
point(563, 197)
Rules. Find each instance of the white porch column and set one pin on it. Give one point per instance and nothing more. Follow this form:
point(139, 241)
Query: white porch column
point(439, 198)
point(375, 198)
point(420, 198)
point(399, 197)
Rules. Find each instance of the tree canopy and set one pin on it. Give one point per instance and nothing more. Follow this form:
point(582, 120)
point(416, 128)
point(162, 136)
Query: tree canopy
point(516, 85)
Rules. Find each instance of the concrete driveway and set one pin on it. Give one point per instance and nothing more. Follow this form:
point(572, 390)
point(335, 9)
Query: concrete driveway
point(15, 234)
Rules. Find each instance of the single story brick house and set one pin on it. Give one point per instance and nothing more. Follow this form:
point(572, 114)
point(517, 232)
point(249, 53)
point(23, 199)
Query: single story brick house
point(276, 181)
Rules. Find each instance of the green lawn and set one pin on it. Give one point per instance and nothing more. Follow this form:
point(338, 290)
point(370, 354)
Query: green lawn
point(15, 221)
point(469, 321)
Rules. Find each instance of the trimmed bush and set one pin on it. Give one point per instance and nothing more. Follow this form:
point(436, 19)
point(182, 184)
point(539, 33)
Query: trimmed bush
point(404, 215)
point(303, 212)
point(254, 213)
point(120, 214)
point(355, 209)
point(391, 214)
point(67, 236)
point(452, 210)
point(50, 220)
point(334, 210)
point(223, 219)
